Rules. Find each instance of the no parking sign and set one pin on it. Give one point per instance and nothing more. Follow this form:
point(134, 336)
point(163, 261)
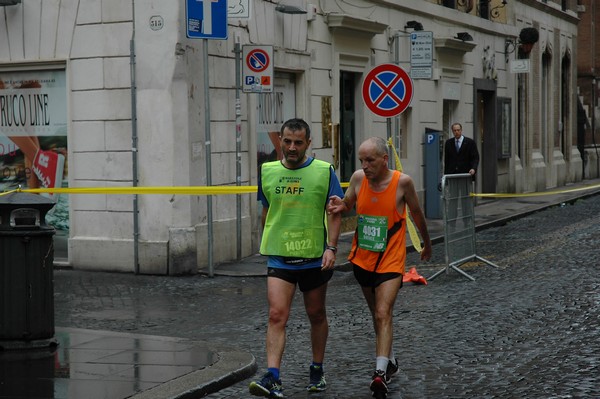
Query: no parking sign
point(257, 73)
point(387, 90)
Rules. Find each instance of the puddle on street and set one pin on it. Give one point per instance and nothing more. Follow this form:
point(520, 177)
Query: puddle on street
point(96, 365)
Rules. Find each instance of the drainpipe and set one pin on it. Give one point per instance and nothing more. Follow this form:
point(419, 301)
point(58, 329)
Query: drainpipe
point(397, 139)
point(238, 142)
point(594, 125)
point(207, 147)
point(134, 149)
point(594, 86)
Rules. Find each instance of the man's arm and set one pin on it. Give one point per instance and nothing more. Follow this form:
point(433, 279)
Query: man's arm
point(473, 156)
point(412, 201)
point(338, 205)
point(447, 157)
point(334, 223)
point(260, 196)
point(263, 216)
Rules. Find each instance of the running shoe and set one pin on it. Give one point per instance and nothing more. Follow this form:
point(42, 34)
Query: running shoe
point(267, 387)
point(317, 379)
point(378, 384)
point(391, 370)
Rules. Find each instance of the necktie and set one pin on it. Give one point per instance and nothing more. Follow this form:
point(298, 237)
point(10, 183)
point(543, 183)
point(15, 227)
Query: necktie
point(457, 144)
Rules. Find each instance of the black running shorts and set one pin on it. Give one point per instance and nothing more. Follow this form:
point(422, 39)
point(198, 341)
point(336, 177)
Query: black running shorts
point(372, 279)
point(307, 279)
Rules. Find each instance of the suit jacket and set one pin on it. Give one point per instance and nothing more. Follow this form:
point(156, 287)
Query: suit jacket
point(462, 161)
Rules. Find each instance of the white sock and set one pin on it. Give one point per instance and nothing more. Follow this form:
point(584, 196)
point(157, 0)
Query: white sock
point(382, 363)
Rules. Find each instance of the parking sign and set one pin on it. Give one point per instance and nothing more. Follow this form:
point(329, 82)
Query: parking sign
point(387, 90)
point(257, 71)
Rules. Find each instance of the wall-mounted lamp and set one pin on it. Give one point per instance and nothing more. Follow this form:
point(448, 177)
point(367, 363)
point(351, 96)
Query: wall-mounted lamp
point(289, 9)
point(413, 25)
point(464, 36)
point(495, 12)
point(527, 38)
point(4, 3)
point(509, 47)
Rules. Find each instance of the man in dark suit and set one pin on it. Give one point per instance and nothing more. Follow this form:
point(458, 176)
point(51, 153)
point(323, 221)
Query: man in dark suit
point(460, 153)
point(460, 156)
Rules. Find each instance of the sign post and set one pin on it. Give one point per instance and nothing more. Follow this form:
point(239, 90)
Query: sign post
point(421, 55)
point(206, 19)
point(258, 69)
point(387, 90)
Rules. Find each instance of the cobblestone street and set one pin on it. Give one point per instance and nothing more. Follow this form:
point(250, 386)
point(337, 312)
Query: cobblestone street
point(527, 329)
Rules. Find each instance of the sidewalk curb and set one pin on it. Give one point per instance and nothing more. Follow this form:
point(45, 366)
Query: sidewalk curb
point(500, 221)
point(233, 366)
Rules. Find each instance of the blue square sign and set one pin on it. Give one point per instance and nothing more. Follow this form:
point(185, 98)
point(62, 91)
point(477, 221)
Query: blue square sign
point(206, 19)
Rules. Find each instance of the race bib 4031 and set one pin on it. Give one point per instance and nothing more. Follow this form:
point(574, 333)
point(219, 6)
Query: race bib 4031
point(372, 232)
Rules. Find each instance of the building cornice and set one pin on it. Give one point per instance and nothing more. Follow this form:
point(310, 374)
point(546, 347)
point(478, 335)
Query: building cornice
point(453, 44)
point(350, 22)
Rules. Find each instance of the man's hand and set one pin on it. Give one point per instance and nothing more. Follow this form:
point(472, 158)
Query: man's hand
point(328, 260)
point(426, 252)
point(335, 205)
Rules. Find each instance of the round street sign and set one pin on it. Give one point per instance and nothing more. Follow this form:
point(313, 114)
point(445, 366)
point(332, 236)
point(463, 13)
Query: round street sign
point(387, 90)
point(257, 60)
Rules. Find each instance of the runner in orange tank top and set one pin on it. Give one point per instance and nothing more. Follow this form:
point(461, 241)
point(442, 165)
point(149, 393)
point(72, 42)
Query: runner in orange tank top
point(379, 247)
point(377, 215)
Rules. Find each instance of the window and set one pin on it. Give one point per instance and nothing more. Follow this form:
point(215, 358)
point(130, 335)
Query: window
point(484, 9)
point(545, 103)
point(565, 104)
point(504, 127)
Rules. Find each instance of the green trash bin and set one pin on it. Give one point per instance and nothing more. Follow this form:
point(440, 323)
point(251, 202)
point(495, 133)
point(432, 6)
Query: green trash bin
point(26, 272)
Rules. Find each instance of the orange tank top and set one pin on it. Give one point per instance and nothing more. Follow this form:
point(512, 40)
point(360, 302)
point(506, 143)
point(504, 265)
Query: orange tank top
point(372, 203)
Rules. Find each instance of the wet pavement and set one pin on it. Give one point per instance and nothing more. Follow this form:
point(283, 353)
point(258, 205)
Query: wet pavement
point(525, 329)
point(91, 364)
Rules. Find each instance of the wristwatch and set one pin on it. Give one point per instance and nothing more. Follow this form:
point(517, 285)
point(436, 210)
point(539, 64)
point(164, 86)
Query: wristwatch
point(332, 248)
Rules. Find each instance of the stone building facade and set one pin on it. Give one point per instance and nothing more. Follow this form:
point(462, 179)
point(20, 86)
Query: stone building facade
point(588, 85)
point(144, 105)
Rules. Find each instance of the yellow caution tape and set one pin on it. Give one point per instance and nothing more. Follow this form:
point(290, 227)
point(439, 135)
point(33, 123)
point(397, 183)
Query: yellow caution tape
point(412, 232)
point(390, 144)
point(536, 194)
point(188, 190)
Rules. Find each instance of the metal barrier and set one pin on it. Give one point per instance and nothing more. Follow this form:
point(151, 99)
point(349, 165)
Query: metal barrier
point(459, 223)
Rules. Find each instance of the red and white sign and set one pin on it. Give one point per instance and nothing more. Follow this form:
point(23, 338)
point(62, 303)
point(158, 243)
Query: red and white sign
point(387, 90)
point(258, 69)
point(258, 60)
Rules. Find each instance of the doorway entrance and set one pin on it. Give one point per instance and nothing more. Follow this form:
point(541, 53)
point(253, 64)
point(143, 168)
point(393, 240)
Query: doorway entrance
point(485, 133)
point(347, 145)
